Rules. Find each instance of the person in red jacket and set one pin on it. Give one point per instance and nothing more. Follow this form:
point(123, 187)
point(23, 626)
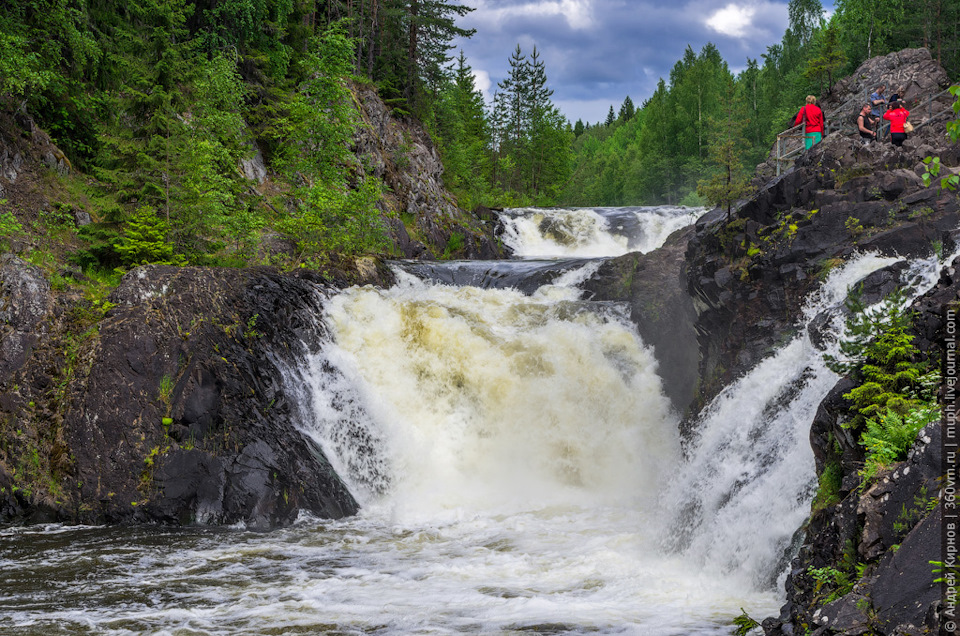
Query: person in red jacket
point(813, 116)
point(897, 116)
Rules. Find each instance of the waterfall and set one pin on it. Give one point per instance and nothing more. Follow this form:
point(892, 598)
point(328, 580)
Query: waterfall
point(513, 450)
point(519, 470)
point(484, 398)
point(747, 481)
point(592, 232)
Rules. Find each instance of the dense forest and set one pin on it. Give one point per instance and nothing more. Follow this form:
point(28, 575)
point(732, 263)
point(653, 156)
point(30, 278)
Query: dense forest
point(158, 101)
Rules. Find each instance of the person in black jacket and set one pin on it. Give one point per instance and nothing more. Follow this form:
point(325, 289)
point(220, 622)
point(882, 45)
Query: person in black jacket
point(866, 125)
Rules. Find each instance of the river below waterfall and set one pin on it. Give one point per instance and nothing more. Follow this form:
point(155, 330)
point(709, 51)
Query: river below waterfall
point(517, 464)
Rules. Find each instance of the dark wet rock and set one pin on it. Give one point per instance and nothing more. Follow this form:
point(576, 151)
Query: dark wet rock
point(654, 284)
point(25, 302)
point(178, 409)
point(526, 276)
point(904, 595)
point(891, 525)
point(763, 264)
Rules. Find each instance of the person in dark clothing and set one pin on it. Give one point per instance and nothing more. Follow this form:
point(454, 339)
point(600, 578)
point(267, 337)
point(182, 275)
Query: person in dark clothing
point(866, 125)
point(813, 116)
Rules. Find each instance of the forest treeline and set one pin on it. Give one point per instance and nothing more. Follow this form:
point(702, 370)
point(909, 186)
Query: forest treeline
point(159, 101)
point(660, 151)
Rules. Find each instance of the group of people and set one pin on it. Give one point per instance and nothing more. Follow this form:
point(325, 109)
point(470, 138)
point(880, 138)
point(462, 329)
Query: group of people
point(872, 112)
point(867, 121)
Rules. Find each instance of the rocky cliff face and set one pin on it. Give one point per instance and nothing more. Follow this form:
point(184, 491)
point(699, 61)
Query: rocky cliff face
point(655, 286)
point(889, 529)
point(172, 406)
point(748, 277)
point(425, 215)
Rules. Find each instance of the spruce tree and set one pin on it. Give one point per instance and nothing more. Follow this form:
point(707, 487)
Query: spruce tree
point(611, 118)
point(627, 110)
point(729, 182)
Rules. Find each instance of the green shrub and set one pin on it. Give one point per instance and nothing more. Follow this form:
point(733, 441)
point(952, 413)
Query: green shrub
point(744, 623)
point(879, 355)
point(890, 434)
point(9, 226)
point(145, 240)
point(828, 486)
point(455, 245)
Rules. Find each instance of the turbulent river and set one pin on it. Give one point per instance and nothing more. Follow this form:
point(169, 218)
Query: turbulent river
point(517, 464)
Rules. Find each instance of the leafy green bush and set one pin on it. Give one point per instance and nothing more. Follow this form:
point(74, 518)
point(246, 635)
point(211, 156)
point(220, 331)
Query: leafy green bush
point(889, 435)
point(455, 245)
point(828, 486)
point(744, 623)
point(336, 209)
point(101, 250)
point(895, 395)
point(9, 226)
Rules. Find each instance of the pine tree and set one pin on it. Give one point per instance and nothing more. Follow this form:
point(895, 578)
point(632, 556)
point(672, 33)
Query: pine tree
point(729, 182)
point(431, 27)
point(627, 110)
point(611, 118)
point(145, 240)
point(828, 58)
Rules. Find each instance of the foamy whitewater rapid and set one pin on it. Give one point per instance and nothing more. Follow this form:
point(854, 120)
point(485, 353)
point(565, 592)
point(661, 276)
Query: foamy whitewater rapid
point(518, 468)
point(592, 232)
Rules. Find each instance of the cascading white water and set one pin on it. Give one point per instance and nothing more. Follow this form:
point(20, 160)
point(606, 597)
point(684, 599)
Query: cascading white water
point(592, 232)
point(514, 451)
point(746, 484)
point(519, 470)
point(489, 399)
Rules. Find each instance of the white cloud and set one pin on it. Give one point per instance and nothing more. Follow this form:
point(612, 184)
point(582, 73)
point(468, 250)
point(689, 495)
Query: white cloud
point(732, 20)
point(481, 81)
point(577, 13)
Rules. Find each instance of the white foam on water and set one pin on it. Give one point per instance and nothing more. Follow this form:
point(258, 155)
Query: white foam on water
point(591, 232)
point(519, 469)
point(746, 484)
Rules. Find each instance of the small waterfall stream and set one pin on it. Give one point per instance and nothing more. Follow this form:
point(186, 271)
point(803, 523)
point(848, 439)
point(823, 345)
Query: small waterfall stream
point(517, 464)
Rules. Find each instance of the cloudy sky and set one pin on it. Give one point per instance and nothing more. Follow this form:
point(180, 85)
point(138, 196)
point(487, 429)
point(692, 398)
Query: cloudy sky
point(599, 51)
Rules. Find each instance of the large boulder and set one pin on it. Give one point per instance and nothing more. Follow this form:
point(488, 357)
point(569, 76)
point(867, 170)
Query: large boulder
point(177, 406)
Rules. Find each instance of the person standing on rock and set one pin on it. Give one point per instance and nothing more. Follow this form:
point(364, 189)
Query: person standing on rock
point(813, 116)
point(897, 116)
point(866, 125)
point(877, 100)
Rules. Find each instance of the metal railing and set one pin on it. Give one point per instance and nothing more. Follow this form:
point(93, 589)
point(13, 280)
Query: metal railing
point(788, 149)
